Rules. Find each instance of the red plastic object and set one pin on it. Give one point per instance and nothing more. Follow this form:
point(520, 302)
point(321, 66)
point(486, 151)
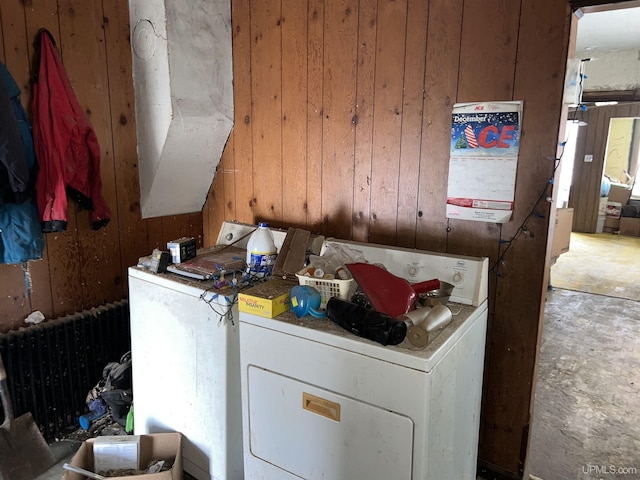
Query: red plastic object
point(386, 292)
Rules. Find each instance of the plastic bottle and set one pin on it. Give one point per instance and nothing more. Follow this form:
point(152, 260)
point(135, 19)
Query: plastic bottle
point(261, 251)
point(87, 419)
point(342, 273)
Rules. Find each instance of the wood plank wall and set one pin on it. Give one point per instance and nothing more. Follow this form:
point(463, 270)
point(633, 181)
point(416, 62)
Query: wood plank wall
point(343, 117)
point(83, 268)
point(584, 196)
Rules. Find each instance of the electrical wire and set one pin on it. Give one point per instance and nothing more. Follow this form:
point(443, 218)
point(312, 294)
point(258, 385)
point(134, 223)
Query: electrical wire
point(227, 288)
point(522, 229)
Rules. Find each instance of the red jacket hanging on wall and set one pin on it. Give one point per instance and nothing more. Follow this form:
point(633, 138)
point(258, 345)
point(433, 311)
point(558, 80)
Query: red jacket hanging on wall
point(66, 146)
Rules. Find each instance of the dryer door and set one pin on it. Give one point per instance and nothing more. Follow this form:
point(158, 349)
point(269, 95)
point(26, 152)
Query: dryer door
point(314, 433)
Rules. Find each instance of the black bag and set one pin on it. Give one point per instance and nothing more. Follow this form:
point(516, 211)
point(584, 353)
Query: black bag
point(115, 388)
point(117, 375)
point(366, 323)
point(119, 402)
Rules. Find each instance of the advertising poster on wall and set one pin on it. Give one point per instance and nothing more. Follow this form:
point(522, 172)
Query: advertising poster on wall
point(485, 139)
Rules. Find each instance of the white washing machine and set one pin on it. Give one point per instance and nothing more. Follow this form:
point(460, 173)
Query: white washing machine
point(320, 402)
point(186, 364)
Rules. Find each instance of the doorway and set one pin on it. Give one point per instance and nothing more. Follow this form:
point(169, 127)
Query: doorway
point(586, 392)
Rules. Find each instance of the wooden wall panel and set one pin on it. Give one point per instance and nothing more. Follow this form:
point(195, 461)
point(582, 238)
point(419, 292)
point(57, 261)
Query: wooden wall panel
point(243, 125)
point(583, 170)
point(596, 168)
point(40, 294)
point(584, 195)
point(221, 198)
point(196, 228)
point(14, 297)
point(81, 30)
point(154, 234)
point(65, 269)
point(174, 227)
point(294, 112)
point(266, 83)
point(588, 174)
point(131, 228)
point(412, 114)
point(227, 164)
point(488, 49)
point(42, 14)
point(315, 109)
point(16, 55)
point(387, 126)
point(513, 337)
point(339, 101)
point(363, 120)
point(82, 268)
point(440, 90)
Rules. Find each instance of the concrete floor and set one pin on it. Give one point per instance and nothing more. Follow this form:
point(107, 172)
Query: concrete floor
point(600, 263)
point(64, 451)
point(586, 422)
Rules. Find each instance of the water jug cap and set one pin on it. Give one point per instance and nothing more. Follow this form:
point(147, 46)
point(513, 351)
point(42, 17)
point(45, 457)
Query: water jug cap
point(263, 224)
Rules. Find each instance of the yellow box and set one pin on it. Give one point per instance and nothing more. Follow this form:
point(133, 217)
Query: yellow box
point(268, 299)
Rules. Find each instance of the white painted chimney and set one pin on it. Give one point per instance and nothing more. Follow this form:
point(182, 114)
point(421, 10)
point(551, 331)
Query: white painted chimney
point(183, 82)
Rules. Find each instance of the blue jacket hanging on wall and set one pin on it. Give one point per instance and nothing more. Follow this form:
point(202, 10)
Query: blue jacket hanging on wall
point(21, 236)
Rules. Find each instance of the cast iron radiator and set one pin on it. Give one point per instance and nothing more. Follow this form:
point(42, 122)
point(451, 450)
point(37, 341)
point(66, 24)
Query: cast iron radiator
point(52, 366)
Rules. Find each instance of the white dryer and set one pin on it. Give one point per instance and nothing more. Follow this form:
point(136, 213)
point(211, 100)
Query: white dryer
point(320, 402)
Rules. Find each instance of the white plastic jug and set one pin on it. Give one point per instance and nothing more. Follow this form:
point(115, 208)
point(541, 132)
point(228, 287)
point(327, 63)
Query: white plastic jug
point(261, 251)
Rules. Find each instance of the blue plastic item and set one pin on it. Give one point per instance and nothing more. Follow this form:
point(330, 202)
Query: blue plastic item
point(87, 419)
point(305, 300)
point(605, 187)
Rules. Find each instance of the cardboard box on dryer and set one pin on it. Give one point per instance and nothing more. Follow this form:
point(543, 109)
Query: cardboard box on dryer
point(268, 299)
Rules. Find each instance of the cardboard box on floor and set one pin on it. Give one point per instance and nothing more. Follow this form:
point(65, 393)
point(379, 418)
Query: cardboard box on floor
point(614, 209)
point(630, 226)
point(562, 232)
point(619, 194)
point(611, 225)
point(155, 446)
